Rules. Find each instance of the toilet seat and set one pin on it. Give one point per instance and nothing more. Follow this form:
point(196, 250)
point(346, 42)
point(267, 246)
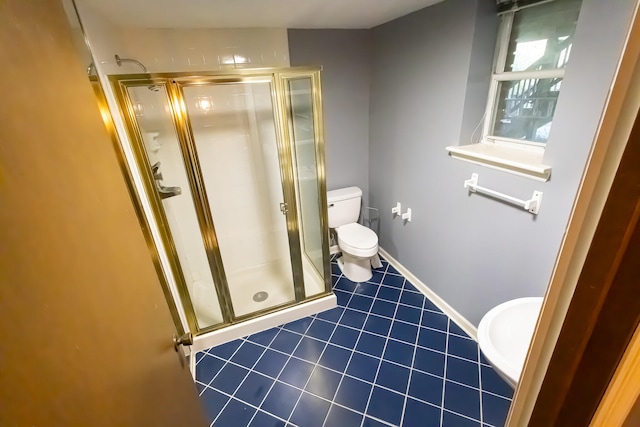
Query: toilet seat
point(357, 240)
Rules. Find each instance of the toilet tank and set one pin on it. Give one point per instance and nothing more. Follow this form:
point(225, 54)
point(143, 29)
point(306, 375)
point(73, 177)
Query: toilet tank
point(343, 206)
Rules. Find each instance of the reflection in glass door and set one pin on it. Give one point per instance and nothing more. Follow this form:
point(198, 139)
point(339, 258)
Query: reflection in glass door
point(235, 138)
point(304, 139)
point(163, 153)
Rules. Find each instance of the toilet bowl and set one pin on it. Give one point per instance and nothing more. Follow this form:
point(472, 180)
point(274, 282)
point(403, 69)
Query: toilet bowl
point(504, 336)
point(358, 244)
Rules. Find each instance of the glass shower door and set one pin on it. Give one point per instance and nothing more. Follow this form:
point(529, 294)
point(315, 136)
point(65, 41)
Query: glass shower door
point(307, 145)
point(161, 148)
point(234, 133)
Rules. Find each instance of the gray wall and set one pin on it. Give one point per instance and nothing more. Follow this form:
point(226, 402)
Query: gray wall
point(485, 32)
point(345, 57)
point(473, 251)
point(397, 95)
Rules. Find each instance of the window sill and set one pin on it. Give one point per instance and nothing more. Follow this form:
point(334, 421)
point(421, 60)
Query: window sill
point(525, 161)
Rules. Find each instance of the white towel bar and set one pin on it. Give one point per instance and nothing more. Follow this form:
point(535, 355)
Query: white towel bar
point(532, 205)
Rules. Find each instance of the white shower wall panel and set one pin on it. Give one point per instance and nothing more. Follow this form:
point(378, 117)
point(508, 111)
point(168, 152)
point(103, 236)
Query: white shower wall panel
point(166, 49)
point(104, 38)
point(237, 148)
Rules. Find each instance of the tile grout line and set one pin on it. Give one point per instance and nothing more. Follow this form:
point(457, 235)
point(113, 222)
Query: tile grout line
point(226, 361)
point(254, 371)
point(346, 375)
point(480, 387)
point(407, 313)
point(462, 415)
point(353, 350)
point(339, 404)
point(359, 352)
point(401, 304)
point(356, 378)
point(399, 320)
point(275, 380)
point(396, 339)
point(315, 366)
point(413, 359)
point(249, 370)
point(384, 349)
point(258, 409)
point(398, 303)
point(368, 354)
point(406, 342)
point(444, 378)
point(216, 376)
point(280, 373)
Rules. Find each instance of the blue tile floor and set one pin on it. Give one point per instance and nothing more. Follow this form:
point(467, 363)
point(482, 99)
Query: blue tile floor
point(386, 356)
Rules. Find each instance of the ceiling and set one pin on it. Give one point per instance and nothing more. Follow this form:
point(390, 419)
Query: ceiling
point(255, 13)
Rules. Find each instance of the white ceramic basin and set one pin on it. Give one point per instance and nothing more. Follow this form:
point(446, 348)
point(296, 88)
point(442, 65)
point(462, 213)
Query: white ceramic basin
point(504, 335)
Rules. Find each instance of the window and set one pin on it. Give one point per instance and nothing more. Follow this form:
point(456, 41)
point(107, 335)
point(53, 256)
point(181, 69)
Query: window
point(534, 46)
point(533, 49)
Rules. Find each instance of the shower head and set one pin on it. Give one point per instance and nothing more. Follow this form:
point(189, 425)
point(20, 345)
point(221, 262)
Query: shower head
point(92, 67)
point(119, 61)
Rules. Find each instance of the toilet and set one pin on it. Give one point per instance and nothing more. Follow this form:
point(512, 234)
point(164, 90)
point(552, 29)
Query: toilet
point(358, 244)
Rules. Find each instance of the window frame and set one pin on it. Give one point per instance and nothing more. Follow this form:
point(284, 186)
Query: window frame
point(499, 75)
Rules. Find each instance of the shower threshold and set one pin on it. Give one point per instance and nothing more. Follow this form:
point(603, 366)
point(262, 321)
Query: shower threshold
point(267, 321)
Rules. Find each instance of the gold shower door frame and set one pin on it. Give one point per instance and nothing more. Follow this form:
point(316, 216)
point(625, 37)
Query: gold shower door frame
point(316, 94)
point(174, 84)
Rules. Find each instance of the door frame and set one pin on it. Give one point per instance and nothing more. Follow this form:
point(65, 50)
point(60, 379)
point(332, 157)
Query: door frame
point(622, 398)
point(605, 308)
point(550, 339)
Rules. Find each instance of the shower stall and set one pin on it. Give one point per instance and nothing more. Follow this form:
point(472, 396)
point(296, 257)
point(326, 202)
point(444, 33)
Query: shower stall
point(232, 165)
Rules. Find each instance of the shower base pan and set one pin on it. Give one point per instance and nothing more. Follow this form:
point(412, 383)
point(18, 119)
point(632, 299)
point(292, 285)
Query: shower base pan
point(280, 317)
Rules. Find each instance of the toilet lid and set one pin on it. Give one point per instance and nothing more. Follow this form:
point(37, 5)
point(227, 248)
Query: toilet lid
point(358, 236)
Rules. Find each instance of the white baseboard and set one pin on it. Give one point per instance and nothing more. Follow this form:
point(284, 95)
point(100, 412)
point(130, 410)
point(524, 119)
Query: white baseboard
point(457, 318)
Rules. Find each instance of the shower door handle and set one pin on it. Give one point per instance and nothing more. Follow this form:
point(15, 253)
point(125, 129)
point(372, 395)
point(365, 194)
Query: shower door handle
point(284, 208)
